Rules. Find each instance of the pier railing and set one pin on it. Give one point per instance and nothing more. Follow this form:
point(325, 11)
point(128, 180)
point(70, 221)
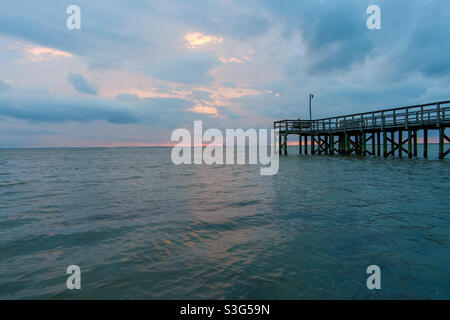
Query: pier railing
point(412, 116)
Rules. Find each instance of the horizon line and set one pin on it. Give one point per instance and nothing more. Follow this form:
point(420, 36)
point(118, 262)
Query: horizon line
point(292, 144)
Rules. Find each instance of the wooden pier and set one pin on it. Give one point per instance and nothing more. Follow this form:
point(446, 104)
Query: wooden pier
point(353, 134)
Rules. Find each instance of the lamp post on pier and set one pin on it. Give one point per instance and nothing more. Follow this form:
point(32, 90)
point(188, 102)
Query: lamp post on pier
point(311, 96)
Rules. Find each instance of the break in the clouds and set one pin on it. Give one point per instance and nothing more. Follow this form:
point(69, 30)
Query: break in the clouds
point(138, 69)
point(189, 68)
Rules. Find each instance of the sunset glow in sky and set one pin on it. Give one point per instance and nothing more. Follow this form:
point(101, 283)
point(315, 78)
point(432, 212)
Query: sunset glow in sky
point(139, 69)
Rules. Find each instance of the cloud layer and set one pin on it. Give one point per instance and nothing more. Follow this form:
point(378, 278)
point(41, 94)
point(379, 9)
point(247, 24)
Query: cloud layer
point(153, 64)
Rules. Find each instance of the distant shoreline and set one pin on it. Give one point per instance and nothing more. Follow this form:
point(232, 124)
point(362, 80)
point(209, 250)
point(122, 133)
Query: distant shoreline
point(118, 147)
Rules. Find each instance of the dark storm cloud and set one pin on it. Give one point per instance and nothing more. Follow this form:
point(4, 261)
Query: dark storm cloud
point(48, 108)
point(81, 85)
point(415, 34)
point(126, 109)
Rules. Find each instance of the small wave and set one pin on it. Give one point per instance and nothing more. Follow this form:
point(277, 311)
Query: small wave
point(128, 178)
point(152, 167)
point(11, 183)
point(244, 203)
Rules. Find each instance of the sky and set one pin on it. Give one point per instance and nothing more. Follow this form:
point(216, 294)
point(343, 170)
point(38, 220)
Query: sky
point(137, 70)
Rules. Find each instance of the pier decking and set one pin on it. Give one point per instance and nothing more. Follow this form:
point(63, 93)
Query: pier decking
point(351, 133)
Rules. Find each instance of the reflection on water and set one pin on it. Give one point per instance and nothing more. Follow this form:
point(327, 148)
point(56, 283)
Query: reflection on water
point(140, 227)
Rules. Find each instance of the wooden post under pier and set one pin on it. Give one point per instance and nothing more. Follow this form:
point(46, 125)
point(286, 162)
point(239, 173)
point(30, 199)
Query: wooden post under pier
point(364, 144)
point(410, 137)
point(347, 144)
point(373, 144)
point(286, 138)
point(385, 144)
point(313, 142)
point(392, 142)
point(285, 145)
point(306, 144)
point(415, 143)
point(300, 144)
point(279, 145)
point(331, 144)
point(379, 143)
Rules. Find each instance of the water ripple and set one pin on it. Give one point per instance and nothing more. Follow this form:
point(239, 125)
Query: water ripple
point(140, 227)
